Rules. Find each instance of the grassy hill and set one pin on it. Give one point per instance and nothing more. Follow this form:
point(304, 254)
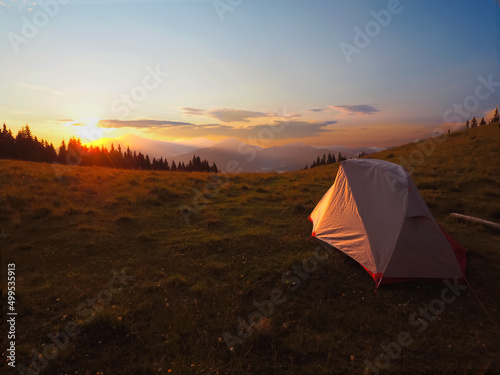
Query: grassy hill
point(170, 294)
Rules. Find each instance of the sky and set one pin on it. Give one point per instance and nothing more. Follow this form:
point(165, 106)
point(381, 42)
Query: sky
point(268, 72)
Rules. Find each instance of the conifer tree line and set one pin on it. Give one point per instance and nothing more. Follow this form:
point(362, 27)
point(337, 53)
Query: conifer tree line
point(330, 159)
point(474, 122)
point(26, 146)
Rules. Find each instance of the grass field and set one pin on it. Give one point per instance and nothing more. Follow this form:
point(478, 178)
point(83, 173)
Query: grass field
point(107, 266)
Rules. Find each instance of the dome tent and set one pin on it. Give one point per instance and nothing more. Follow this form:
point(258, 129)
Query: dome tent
point(374, 213)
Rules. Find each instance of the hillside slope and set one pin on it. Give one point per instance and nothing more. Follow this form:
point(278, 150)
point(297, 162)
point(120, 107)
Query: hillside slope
point(200, 255)
point(458, 172)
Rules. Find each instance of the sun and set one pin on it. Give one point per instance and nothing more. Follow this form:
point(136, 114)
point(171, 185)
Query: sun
point(87, 129)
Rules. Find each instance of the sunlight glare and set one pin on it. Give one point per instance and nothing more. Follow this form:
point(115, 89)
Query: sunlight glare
point(87, 129)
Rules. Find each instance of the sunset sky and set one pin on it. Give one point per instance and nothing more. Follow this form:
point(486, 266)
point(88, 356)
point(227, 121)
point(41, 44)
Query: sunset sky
point(275, 69)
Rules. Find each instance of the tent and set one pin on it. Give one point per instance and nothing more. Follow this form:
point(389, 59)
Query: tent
point(375, 214)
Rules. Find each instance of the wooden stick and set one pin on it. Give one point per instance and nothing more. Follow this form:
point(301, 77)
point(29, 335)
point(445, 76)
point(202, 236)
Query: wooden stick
point(486, 223)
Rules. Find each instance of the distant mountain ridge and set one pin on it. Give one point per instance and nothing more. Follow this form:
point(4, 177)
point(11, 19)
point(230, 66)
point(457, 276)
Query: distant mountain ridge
point(232, 153)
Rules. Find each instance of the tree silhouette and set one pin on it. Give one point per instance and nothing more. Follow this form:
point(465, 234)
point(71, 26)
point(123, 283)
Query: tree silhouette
point(495, 115)
point(26, 146)
point(473, 123)
point(7, 143)
point(325, 160)
point(63, 152)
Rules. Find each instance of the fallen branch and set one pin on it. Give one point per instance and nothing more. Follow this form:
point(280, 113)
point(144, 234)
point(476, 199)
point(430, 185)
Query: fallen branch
point(486, 223)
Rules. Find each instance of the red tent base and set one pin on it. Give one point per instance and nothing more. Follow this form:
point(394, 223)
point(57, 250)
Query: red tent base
point(460, 254)
point(458, 249)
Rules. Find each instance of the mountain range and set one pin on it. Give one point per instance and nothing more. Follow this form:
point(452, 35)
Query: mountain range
point(233, 155)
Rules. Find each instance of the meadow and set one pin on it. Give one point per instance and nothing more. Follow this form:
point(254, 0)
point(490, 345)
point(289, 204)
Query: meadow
point(111, 265)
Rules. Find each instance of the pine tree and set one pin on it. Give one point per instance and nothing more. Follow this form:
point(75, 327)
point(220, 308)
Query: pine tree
point(27, 132)
point(473, 123)
point(7, 143)
point(50, 154)
point(147, 163)
point(128, 159)
point(495, 115)
point(141, 160)
point(482, 122)
point(119, 160)
point(467, 125)
point(24, 142)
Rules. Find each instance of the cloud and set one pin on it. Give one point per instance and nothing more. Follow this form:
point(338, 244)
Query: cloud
point(141, 124)
point(236, 115)
point(190, 111)
point(280, 129)
point(166, 127)
point(289, 129)
point(316, 110)
point(296, 115)
point(41, 88)
point(362, 109)
point(226, 114)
